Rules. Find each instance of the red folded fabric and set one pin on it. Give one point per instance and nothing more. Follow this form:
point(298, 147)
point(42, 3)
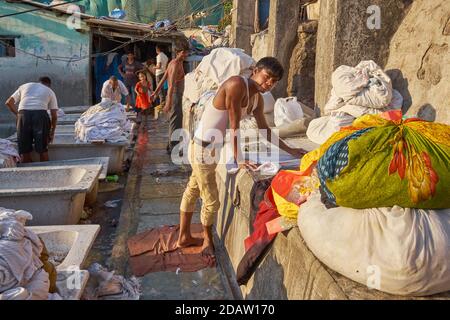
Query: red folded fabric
point(267, 212)
point(259, 241)
point(156, 250)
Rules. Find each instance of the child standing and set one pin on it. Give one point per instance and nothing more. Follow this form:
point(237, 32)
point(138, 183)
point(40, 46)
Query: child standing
point(143, 91)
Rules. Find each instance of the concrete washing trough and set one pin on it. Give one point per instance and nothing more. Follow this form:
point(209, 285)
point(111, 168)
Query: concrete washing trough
point(103, 161)
point(65, 129)
point(69, 119)
point(68, 247)
point(54, 195)
point(64, 147)
point(91, 196)
point(75, 109)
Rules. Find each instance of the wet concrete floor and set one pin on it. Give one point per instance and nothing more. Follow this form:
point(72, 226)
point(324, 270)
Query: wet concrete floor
point(151, 193)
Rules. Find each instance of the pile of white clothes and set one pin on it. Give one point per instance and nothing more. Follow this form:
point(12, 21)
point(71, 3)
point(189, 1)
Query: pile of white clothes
point(104, 121)
point(8, 154)
point(21, 271)
point(214, 69)
point(105, 285)
point(401, 251)
point(360, 90)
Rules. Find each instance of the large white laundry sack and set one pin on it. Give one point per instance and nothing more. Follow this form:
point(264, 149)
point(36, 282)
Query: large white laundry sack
point(365, 85)
point(287, 110)
point(395, 250)
point(320, 129)
point(191, 90)
point(221, 64)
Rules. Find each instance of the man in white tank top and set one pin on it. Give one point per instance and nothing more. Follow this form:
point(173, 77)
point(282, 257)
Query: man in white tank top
point(237, 97)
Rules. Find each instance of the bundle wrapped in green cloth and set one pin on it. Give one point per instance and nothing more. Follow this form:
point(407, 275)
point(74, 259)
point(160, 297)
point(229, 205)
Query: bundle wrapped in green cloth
point(385, 160)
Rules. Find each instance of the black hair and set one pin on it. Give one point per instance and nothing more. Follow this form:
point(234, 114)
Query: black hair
point(113, 78)
point(272, 66)
point(45, 80)
point(159, 47)
point(141, 71)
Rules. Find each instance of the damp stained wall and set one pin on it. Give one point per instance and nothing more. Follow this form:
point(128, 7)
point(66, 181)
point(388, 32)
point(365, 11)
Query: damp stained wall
point(46, 35)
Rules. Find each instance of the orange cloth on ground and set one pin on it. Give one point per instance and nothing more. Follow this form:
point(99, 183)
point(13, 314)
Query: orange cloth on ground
point(156, 250)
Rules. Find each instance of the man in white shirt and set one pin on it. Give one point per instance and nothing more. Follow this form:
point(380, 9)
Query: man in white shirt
point(161, 65)
point(113, 89)
point(33, 123)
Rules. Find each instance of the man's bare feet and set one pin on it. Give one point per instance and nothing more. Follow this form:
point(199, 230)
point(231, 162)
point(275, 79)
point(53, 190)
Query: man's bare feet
point(209, 252)
point(184, 242)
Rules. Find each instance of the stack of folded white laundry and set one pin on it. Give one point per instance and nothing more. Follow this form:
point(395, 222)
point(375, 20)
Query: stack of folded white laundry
point(360, 90)
point(104, 121)
point(8, 154)
point(22, 276)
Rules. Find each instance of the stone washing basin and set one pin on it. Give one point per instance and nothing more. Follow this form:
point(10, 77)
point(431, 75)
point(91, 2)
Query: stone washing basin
point(75, 109)
point(103, 161)
point(53, 195)
point(69, 119)
point(68, 246)
point(91, 196)
point(65, 129)
point(64, 147)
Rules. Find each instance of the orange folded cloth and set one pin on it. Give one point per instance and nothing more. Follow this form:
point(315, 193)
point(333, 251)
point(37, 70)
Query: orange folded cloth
point(156, 250)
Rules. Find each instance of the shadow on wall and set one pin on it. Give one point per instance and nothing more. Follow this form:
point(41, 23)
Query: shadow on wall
point(266, 279)
point(400, 83)
point(375, 42)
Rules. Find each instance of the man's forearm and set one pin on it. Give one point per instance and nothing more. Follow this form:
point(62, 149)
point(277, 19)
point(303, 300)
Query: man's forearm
point(54, 122)
point(160, 84)
point(235, 138)
point(11, 106)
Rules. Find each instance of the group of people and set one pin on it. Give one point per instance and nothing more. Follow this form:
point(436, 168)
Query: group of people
point(35, 105)
point(138, 82)
point(139, 90)
point(236, 97)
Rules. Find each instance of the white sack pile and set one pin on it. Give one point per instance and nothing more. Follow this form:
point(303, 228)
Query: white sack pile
point(360, 90)
point(401, 251)
point(214, 69)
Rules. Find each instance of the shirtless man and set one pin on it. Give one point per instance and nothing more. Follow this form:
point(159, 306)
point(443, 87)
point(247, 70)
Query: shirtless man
point(238, 96)
point(175, 79)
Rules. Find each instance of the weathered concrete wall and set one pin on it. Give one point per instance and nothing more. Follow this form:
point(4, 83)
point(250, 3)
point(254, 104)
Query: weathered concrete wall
point(260, 45)
point(302, 64)
point(419, 60)
point(242, 25)
point(44, 35)
point(344, 37)
point(283, 23)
